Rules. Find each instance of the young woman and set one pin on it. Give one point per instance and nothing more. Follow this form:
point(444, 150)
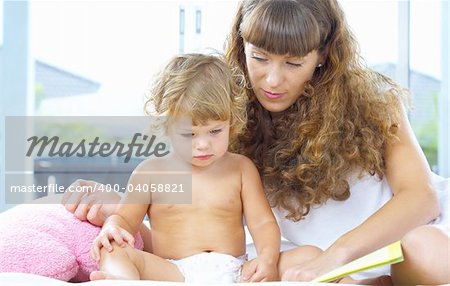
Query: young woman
point(331, 139)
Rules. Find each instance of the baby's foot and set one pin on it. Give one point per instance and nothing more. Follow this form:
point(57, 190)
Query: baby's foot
point(100, 275)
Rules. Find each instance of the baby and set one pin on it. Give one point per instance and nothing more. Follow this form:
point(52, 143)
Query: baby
point(203, 241)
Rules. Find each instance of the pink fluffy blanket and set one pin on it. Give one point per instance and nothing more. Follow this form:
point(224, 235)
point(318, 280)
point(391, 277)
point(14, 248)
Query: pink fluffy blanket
point(47, 240)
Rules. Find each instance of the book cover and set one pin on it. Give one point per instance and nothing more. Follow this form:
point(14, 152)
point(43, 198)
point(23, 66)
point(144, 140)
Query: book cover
point(389, 254)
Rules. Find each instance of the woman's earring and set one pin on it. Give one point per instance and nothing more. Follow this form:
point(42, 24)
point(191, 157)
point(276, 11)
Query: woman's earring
point(319, 65)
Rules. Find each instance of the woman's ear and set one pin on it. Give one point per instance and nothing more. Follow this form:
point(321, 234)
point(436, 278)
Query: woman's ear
point(323, 54)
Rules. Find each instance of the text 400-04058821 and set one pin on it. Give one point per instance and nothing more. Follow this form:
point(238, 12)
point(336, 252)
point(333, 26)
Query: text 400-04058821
point(143, 188)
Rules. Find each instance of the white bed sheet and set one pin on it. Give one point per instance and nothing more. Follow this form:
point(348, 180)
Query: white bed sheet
point(25, 279)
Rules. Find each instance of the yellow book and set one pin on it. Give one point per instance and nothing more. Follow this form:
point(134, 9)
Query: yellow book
point(389, 254)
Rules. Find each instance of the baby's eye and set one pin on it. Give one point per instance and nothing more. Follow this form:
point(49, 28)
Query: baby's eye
point(259, 57)
point(187, 135)
point(215, 131)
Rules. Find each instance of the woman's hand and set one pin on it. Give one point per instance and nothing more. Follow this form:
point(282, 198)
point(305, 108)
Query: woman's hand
point(86, 201)
point(324, 263)
point(259, 270)
point(108, 234)
point(313, 268)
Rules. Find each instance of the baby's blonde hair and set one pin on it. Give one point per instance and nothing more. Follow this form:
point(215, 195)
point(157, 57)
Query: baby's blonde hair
point(201, 86)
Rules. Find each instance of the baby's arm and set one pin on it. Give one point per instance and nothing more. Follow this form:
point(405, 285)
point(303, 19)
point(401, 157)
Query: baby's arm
point(126, 221)
point(262, 226)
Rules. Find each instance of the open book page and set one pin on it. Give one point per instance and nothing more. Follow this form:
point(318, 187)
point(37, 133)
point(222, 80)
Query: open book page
point(389, 254)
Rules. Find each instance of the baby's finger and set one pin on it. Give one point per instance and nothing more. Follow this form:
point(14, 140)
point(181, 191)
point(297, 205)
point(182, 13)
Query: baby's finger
point(95, 250)
point(94, 253)
point(106, 243)
point(128, 237)
point(248, 269)
point(118, 237)
point(247, 278)
point(257, 277)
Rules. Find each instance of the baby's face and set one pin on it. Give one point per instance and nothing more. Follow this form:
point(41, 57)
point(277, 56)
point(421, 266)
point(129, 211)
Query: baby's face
point(209, 141)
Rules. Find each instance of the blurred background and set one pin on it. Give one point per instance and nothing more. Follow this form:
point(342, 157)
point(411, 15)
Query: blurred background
point(96, 58)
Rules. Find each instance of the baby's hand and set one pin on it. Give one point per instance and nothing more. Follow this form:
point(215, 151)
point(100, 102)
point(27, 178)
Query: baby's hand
point(108, 234)
point(259, 270)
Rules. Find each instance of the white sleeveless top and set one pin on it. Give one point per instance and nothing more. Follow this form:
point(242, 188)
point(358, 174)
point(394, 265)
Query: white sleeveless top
point(326, 223)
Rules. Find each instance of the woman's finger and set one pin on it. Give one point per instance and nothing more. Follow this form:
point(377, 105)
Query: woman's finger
point(76, 192)
point(71, 198)
point(95, 216)
point(84, 206)
point(69, 191)
point(73, 203)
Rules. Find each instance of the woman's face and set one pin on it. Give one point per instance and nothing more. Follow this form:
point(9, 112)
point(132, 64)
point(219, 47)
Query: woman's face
point(278, 80)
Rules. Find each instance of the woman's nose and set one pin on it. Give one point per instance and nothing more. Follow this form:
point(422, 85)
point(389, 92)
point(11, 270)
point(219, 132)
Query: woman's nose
point(274, 76)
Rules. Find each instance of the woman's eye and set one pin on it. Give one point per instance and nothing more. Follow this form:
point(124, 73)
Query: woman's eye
point(294, 64)
point(187, 135)
point(215, 131)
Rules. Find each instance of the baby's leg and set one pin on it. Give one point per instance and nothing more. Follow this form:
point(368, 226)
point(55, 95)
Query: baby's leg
point(127, 263)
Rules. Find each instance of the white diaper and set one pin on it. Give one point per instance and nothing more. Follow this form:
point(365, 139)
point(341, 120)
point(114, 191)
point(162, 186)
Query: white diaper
point(210, 267)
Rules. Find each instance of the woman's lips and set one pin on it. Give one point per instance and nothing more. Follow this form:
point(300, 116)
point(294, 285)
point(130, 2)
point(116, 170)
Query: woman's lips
point(272, 95)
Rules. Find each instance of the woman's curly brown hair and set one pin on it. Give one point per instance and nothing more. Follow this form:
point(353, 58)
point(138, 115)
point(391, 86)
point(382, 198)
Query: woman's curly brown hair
point(339, 125)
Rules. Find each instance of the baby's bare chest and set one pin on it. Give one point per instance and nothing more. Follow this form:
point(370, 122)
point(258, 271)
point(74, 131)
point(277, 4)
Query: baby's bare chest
point(219, 196)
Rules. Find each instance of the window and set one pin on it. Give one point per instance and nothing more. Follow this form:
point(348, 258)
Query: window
point(412, 57)
point(182, 22)
point(198, 21)
point(425, 74)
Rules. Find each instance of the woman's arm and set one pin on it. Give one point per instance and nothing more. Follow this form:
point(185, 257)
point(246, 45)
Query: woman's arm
point(91, 204)
point(414, 203)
